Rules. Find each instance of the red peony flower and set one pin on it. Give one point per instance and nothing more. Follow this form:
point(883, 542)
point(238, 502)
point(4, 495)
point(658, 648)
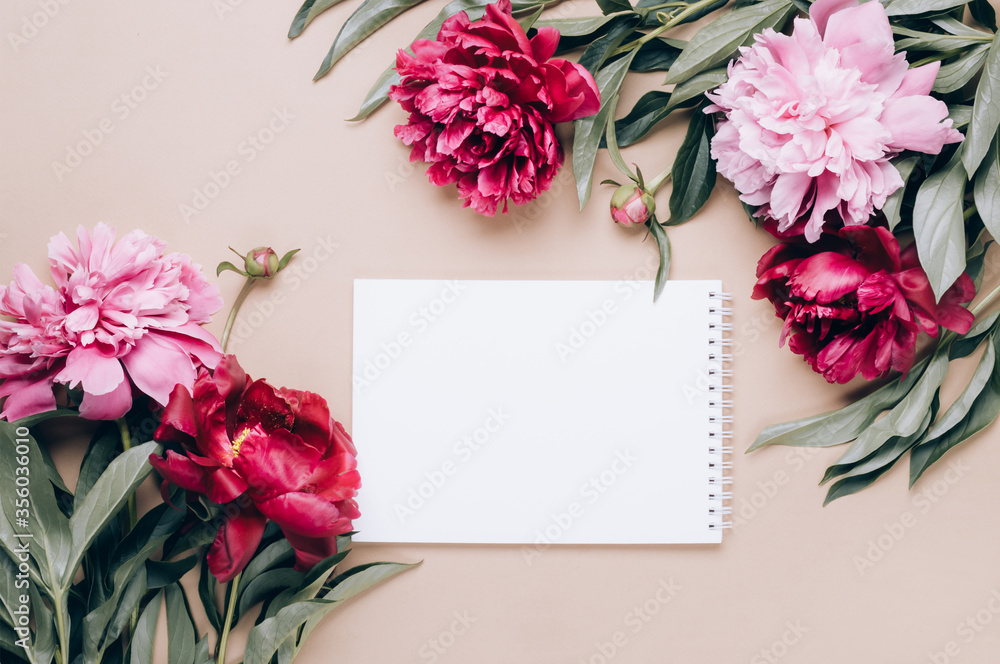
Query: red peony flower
point(271, 454)
point(482, 100)
point(853, 303)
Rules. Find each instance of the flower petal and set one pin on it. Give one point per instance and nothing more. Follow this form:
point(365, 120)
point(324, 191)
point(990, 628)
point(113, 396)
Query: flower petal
point(235, 544)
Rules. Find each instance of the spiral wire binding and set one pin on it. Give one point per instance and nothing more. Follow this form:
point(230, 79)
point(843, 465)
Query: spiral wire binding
point(720, 449)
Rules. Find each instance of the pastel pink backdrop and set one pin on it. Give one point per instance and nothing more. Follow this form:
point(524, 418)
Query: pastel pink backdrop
point(884, 577)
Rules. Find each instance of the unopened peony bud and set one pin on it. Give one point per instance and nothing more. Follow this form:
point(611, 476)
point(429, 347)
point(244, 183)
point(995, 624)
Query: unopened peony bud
point(261, 262)
point(631, 205)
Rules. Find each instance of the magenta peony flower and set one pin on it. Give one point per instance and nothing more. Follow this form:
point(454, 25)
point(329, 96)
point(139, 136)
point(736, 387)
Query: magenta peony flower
point(122, 314)
point(853, 303)
point(813, 118)
point(482, 100)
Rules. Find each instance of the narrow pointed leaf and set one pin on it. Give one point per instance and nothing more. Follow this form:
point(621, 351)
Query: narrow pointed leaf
point(986, 189)
point(985, 111)
point(939, 225)
point(693, 171)
point(894, 202)
point(180, 628)
point(145, 632)
point(309, 10)
point(663, 246)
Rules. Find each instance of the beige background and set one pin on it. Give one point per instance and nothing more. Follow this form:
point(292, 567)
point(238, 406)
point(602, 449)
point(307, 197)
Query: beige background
point(794, 582)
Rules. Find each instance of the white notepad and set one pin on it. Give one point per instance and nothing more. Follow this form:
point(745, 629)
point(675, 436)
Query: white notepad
point(539, 412)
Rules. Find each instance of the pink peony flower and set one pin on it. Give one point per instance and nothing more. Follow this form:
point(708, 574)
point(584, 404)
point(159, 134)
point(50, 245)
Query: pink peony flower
point(813, 118)
point(853, 303)
point(122, 315)
point(632, 206)
point(482, 100)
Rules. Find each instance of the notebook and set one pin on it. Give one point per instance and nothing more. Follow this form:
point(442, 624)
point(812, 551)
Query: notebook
point(541, 412)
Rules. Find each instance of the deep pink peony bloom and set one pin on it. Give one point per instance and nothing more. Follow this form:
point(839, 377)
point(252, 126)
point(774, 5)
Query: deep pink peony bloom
point(813, 118)
point(122, 314)
point(482, 100)
point(268, 454)
point(853, 303)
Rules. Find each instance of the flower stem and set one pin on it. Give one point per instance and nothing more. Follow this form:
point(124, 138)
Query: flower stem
point(235, 310)
point(986, 301)
point(659, 180)
point(234, 586)
point(62, 657)
point(674, 20)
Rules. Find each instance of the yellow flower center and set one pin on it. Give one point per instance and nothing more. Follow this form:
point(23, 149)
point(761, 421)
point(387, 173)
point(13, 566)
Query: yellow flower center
point(239, 441)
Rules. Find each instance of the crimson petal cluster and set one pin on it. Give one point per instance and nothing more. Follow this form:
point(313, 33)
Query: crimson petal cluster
point(854, 303)
point(482, 99)
point(122, 314)
point(267, 454)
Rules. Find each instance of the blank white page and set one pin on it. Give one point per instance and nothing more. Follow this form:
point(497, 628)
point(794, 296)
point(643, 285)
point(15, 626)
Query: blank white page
point(537, 412)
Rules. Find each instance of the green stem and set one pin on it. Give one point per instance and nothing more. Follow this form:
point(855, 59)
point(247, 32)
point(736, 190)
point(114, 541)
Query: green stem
point(674, 20)
point(133, 512)
point(235, 310)
point(986, 301)
point(228, 625)
point(943, 55)
point(659, 180)
point(63, 633)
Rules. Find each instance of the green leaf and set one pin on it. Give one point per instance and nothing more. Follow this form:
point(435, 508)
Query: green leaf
point(911, 7)
point(528, 21)
point(663, 246)
point(127, 603)
point(267, 585)
point(201, 653)
point(128, 560)
point(44, 644)
point(863, 474)
point(600, 51)
point(612, 141)
point(313, 582)
point(160, 573)
point(51, 545)
point(206, 592)
point(693, 173)
point(309, 10)
point(182, 638)
point(840, 426)
point(939, 225)
point(96, 459)
point(905, 417)
point(894, 202)
point(656, 55)
point(954, 75)
point(975, 409)
point(273, 555)
point(614, 6)
point(364, 22)
point(265, 638)
point(935, 41)
point(226, 265)
point(983, 12)
point(589, 130)
point(697, 85)
point(108, 495)
point(985, 112)
point(646, 114)
point(286, 258)
point(145, 632)
point(576, 27)
point(968, 342)
point(719, 40)
point(986, 189)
